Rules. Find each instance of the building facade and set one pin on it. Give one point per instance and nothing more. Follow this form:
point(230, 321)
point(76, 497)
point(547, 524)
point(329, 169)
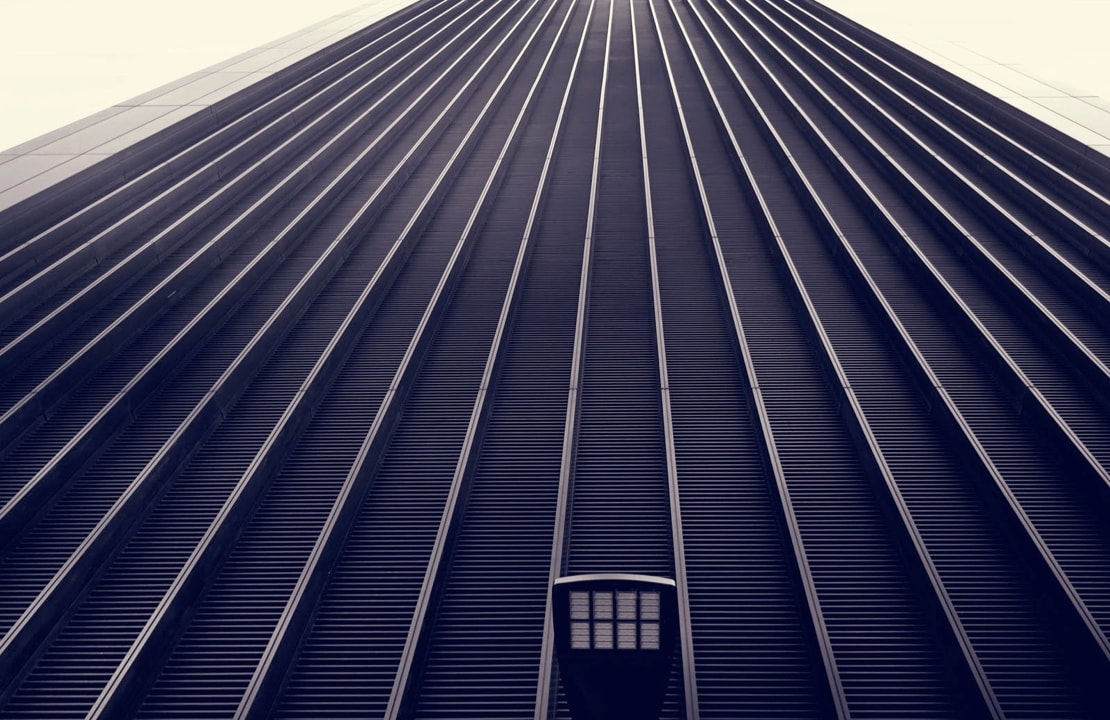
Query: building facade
point(312, 389)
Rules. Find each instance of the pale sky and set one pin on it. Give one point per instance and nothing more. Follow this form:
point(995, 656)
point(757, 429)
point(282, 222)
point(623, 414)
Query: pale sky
point(61, 60)
point(1054, 39)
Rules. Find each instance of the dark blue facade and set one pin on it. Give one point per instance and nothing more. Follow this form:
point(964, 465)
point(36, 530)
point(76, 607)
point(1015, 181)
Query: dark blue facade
point(309, 398)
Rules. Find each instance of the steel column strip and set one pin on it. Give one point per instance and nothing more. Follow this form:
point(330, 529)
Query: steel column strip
point(193, 656)
point(834, 688)
point(119, 694)
point(367, 602)
point(21, 508)
point(101, 246)
point(400, 701)
point(620, 515)
point(686, 636)
point(1093, 199)
point(477, 645)
point(254, 583)
point(740, 609)
point(56, 597)
point(940, 402)
point(545, 696)
point(177, 168)
point(1096, 300)
point(1043, 553)
point(1022, 389)
point(867, 444)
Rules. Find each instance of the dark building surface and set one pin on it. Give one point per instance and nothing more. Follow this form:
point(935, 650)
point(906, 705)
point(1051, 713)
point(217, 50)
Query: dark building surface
point(304, 411)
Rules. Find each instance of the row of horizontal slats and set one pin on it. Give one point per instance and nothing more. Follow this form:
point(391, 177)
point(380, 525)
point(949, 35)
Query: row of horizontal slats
point(748, 618)
point(863, 359)
point(482, 654)
point(289, 440)
point(843, 530)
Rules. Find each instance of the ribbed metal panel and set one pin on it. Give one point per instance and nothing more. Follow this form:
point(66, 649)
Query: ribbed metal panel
point(302, 419)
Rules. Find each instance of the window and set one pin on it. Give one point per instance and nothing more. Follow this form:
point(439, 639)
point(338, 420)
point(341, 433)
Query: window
point(624, 620)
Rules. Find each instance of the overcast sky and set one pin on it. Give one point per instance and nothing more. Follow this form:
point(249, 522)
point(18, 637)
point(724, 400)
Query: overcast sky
point(1057, 39)
point(61, 60)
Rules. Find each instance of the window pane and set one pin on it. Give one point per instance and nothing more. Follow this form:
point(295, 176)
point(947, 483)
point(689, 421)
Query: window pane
point(579, 605)
point(649, 606)
point(580, 635)
point(603, 606)
point(603, 636)
point(626, 635)
point(626, 605)
point(649, 636)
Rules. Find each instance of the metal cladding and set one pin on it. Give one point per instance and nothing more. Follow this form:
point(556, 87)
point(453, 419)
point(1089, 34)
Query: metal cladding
point(304, 417)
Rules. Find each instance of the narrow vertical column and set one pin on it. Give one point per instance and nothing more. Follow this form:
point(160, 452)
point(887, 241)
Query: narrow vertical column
point(685, 631)
point(544, 694)
point(833, 691)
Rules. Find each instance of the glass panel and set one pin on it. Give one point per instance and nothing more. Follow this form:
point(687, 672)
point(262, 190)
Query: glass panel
point(580, 635)
point(579, 605)
point(603, 606)
point(603, 636)
point(649, 606)
point(626, 605)
point(649, 636)
point(626, 635)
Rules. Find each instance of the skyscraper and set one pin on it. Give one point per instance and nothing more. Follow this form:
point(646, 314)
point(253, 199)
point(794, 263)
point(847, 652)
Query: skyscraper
point(316, 379)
